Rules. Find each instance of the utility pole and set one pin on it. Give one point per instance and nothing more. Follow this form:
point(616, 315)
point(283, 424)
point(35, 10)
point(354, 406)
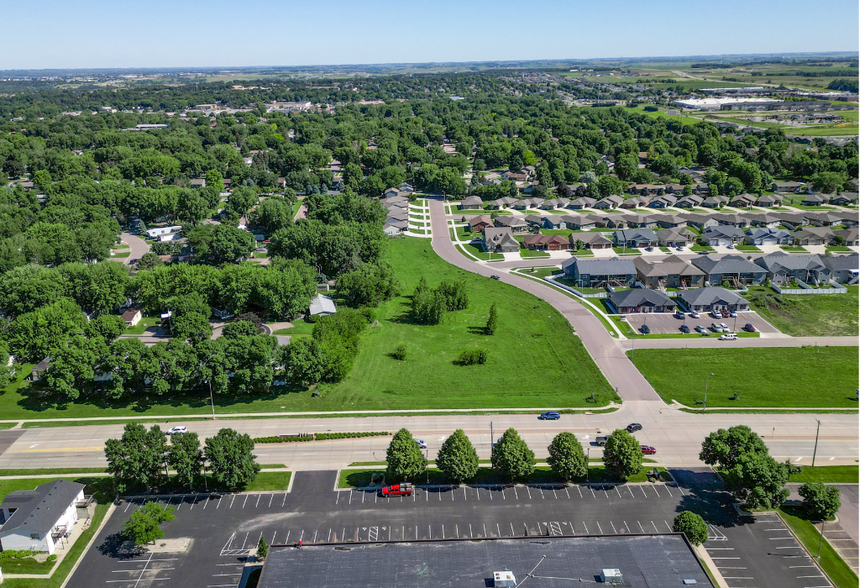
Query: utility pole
point(820, 539)
point(705, 405)
point(211, 398)
point(815, 450)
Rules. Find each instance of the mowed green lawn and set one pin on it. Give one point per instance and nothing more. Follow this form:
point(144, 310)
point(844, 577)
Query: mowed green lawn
point(809, 316)
point(777, 376)
point(535, 360)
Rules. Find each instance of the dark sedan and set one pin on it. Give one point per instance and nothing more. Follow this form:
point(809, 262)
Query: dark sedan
point(633, 427)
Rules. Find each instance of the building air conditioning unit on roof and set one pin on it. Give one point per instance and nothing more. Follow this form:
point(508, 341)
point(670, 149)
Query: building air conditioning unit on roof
point(504, 579)
point(611, 576)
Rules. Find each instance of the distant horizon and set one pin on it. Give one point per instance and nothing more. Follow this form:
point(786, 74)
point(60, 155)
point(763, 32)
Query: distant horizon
point(98, 34)
point(502, 62)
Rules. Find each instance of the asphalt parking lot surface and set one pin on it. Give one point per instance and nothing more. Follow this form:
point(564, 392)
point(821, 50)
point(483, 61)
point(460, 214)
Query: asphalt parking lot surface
point(666, 323)
point(224, 528)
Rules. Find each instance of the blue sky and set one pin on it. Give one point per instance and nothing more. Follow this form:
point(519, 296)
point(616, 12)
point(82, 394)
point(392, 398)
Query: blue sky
point(194, 33)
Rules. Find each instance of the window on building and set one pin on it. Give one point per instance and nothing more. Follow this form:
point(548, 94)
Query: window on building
point(34, 536)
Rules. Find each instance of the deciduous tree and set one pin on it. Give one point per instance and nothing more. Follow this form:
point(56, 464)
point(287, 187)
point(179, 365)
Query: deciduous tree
point(231, 459)
point(404, 457)
point(622, 454)
point(566, 457)
point(512, 458)
point(457, 458)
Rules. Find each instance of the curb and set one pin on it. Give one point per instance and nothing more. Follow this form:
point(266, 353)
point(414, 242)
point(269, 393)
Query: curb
point(86, 550)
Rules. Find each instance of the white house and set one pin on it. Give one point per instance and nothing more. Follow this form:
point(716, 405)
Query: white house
point(131, 317)
point(36, 520)
point(322, 305)
point(159, 231)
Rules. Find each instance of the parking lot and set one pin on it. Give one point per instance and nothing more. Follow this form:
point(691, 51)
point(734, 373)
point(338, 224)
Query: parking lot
point(225, 528)
point(666, 323)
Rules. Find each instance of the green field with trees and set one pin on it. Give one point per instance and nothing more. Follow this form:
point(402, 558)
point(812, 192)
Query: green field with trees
point(787, 377)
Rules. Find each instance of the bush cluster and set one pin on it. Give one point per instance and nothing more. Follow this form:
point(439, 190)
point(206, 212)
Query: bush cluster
point(473, 357)
point(320, 437)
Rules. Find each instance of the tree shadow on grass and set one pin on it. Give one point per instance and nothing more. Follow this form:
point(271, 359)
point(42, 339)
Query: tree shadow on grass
point(478, 331)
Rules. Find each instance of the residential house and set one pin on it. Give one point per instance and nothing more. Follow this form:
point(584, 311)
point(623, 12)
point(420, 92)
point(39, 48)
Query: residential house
point(734, 220)
point(676, 237)
point(642, 221)
point(815, 199)
point(616, 221)
point(599, 273)
point(526, 203)
point(664, 201)
point(515, 176)
point(553, 221)
point(765, 220)
point(610, 202)
point(197, 183)
point(723, 235)
point(534, 220)
point(638, 300)
point(787, 186)
point(502, 203)
point(39, 370)
point(500, 240)
point(131, 317)
point(792, 220)
point(734, 269)
point(590, 240)
point(647, 189)
point(671, 221)
point(844, 199)
point(767, 236)
point(715, 201)
point(672, 272)
point(37, 520)
point(322, 305)
point(849, 237)
point(784, 267)
point(768, 200)
point(713, 298)
point(580, 203)
point(635, 202)
point(742, 201)
point(636, 238)
point(480, 222)
point(845, 269)
point(545, 242)
point(471, 203)
point(813, 236)
point(690, 201)
point(555, 204)
point(514, 223)
point(700, 221)
point(824, 219)
point(393, 226)
point(158, 232)
point(578, 223)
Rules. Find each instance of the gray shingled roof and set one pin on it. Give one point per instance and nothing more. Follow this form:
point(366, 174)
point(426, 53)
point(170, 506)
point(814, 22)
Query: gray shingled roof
point(602, 267)
point(707, 296)
point(843, 262)
point(38, 510)
point(730, 264)
point(640, 297)
point(723, 231)
point(790, 262)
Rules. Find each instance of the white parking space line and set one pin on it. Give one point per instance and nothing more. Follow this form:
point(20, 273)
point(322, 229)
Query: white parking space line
point(258, 501)
point(245, 502)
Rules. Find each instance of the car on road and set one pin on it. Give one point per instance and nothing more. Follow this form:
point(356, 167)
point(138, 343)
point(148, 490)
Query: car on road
point(177, 430)
point(404, 489)
point(750, 328)
point(648, 450)
point(600, 441)
point(496, 277)
point(549, 416)
point(685, 329)
point(421, 443)
point(694, 314)
point(633, 427)
point(729, 337)
point(646, 330)
point(704, 252)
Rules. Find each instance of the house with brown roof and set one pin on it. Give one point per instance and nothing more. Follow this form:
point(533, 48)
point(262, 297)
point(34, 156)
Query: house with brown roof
point(499, 240)
point(590, 240)
point(132, 316)
point(609, 203)
point(471, 203)
point(545, 242)
point(787, 186)
point(813, 236)
point(515, 223)
point(675, 237)
point(480, 222)
point(672, 272)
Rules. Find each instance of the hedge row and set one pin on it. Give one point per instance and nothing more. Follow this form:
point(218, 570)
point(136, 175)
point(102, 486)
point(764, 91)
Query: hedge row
point(321, 437)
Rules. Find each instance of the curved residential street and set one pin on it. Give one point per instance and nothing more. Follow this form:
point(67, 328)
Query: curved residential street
point(136, 245)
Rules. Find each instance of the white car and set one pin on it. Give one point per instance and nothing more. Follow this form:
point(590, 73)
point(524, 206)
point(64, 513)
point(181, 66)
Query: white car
point(694, 314)
point(729, 337)
point(177, 430)
point(724, 327)
point(422, 444)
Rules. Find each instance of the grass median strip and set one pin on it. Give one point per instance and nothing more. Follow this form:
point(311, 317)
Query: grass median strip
point(828, 474)
point(833, 565)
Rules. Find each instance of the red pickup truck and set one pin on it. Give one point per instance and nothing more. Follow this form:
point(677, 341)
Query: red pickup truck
point(404, 489)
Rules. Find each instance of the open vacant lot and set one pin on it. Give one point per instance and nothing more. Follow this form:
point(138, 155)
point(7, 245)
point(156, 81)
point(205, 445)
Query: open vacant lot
point(779, 377)
point(816, 315)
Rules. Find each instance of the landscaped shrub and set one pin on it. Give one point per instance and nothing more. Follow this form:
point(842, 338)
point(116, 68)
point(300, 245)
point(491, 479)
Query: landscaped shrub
point(473, 357)
point(399, 353)
point(321, 437)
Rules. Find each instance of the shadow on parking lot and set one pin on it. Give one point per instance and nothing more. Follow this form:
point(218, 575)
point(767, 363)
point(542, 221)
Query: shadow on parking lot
point(118, 547)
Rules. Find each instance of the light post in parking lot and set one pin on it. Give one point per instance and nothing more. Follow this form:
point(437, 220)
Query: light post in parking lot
point(705, 405)
point(815, 450)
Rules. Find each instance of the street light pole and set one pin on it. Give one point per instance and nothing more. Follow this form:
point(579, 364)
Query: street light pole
point(815, 450)
point(820, 539)
point(211, 398)
point(705, 405)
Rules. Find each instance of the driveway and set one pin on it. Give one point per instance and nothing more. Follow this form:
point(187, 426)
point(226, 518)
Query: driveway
point(665, 323)
point(620, 372)
point(136, 245)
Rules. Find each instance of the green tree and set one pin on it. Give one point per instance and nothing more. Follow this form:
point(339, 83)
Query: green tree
point(217, 244)
point(369, 285)
point(457, 458)
point(107, 326)
point(691, 525)
point(622, 454)
point(404, 457)
point(148, 261)
point(137, 458)
point(231, 459)
point(820, 501)
point(185, 457)
point(758, 481)
point(144, 525)
point(492, 320)
point(262, 548)
point(34, 335)
point(566, 457)
point(512, 458)
point(829, 182)
point(723, 447)
point(272, 214)
point(72, 365)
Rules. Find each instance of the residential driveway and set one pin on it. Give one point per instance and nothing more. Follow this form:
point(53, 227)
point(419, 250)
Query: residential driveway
point(665, 323)
point(612, 361)
point(137, 246)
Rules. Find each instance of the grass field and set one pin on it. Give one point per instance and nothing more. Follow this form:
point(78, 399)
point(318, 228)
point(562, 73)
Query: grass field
point(776, 377)
point(143, 325)
point(828, 474)
point(808, 533)
point(813, 315)
point(533, 351)
point(479, 253)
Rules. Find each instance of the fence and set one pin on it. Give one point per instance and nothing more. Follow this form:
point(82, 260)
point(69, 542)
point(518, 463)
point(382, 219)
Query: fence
point(576, 292)
point(807, 289)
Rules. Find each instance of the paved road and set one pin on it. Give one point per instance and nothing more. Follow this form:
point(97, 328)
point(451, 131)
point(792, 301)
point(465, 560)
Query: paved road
point(713, 341)
point(620, 372)
point(677, 436)
point(137, 246)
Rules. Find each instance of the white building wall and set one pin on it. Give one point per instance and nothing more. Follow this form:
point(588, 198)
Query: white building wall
point(21, 538)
